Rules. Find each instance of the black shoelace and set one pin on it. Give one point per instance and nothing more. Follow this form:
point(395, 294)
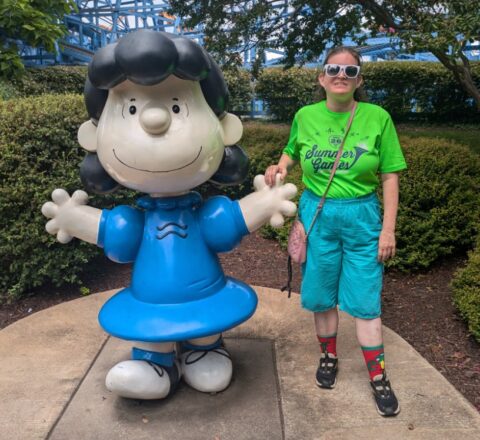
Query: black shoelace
point(382, 386)
point(158, 368)
point(219, 350)
point(327, 363)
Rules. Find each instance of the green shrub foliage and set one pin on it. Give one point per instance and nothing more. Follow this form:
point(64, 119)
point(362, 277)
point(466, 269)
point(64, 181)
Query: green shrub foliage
point(71, 79)
point(439, 195)
point(407, 90)
point(466, 291)
point(263, 144)
point(50, 80)
point(38, 153)
point(427, 88)
point(439, 202)
point(286, 91)
point(241, 90)
point(438, 216)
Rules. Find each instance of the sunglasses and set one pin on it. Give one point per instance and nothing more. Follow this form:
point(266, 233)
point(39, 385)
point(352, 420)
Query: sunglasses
point(349, 70)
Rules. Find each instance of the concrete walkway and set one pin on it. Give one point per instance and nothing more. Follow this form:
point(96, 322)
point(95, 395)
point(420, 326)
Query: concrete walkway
point(53, 364)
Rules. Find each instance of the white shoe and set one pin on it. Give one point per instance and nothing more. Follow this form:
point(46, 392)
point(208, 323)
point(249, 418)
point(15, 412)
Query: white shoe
point(140, 380)
point(209, 371)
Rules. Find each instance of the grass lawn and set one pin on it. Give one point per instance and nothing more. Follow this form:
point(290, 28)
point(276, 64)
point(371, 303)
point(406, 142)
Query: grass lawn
point(464, 134)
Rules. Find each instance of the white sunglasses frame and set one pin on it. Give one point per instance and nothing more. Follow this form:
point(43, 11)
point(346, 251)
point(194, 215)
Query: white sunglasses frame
point(342, 69)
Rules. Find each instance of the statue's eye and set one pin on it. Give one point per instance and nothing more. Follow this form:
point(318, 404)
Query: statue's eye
point(132, 109)
point(176, 109)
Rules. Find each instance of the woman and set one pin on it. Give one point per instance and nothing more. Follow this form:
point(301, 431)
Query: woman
point(349, 241)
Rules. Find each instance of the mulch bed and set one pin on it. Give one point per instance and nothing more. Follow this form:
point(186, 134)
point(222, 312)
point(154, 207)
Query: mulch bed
point(418, 307)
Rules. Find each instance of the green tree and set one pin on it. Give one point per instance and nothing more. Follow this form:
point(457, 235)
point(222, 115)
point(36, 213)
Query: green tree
point(35, 22)
point(444, 28)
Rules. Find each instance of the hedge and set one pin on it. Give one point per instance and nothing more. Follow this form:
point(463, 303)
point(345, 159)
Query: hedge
point(47, 80)
point(400, 87)
point(38, 153)
point(71, 79)
point(439, 202)
point(240, 87)
point(439, 197)
point(439, 212)
point(466, 291)
point(286, 91)
point(407, 90)
point(436, 94)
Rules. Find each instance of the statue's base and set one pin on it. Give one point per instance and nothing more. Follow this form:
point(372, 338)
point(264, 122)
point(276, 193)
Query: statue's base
point(95, 413)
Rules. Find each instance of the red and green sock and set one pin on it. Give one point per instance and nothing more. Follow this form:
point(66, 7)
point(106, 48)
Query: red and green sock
point(328, 343)
point(375, 360)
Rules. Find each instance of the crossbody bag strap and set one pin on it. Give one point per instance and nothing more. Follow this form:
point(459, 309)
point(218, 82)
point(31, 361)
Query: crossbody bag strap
point(334, 168)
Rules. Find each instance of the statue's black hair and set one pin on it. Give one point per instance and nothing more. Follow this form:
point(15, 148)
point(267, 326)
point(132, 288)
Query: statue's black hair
point(148, 57)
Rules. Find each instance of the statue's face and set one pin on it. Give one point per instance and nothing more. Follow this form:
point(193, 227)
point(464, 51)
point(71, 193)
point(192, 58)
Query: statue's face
point(162, 139)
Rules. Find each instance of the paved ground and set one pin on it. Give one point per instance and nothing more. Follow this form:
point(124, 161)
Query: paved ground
point(53, 365)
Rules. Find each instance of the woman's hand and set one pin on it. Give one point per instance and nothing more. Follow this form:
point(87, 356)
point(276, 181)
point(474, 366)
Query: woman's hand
point(268, 203)
point(386, 245)
point(272, 171)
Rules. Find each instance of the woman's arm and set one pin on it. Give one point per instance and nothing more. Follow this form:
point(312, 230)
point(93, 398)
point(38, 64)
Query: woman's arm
point(285, 164)
point(387, 244)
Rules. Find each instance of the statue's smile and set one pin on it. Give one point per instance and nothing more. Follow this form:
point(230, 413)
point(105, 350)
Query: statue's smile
point(158, 171)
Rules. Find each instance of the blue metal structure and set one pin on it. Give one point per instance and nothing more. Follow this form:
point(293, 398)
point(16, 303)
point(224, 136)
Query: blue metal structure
point(99, 22)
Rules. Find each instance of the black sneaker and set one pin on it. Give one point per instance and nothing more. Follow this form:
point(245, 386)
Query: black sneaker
point(327, 371)
point(385, 400)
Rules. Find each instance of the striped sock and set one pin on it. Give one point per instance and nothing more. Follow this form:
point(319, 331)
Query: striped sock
point(328, 343)
point(374, 358)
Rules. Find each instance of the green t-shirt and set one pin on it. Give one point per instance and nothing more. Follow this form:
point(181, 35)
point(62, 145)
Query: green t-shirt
point(371, 147)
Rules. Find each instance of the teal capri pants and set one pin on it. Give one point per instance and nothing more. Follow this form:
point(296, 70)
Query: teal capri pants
point(342, 267)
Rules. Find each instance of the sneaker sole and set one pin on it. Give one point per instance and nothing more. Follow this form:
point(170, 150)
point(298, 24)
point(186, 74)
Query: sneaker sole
point(324, 387)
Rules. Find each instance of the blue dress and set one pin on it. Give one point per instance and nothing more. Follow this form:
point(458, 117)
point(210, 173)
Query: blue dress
point(178, 289)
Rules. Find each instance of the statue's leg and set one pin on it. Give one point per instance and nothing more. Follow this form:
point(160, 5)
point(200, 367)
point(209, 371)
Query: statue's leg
point(153, 372)
point(206, 364)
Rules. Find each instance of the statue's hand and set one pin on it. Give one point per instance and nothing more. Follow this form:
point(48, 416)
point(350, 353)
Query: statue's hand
point(63, 212)
point(276, 199)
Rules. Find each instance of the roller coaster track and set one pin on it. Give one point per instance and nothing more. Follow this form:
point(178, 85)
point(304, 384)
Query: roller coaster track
point(100, 22)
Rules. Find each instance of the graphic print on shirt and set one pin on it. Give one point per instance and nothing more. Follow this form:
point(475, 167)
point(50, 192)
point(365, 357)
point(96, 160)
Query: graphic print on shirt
point(323, 158)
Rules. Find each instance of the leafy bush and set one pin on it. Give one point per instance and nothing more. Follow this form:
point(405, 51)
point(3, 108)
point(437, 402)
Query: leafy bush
point(439, 196)
point(49, 80)
point(286, 91)
point(38, 153)
point(241, 90)
point(8, 91)
point(439, 210)
point(71, 79)
point(427, 88)
point(466, 291)
point(439, 202)
point(263, 145)
point(407, 90)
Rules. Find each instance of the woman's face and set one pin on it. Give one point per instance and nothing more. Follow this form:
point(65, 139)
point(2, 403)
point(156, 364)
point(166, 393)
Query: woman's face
point(340, 88)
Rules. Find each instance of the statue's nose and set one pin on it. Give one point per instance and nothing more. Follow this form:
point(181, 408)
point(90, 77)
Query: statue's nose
point(155, 119)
